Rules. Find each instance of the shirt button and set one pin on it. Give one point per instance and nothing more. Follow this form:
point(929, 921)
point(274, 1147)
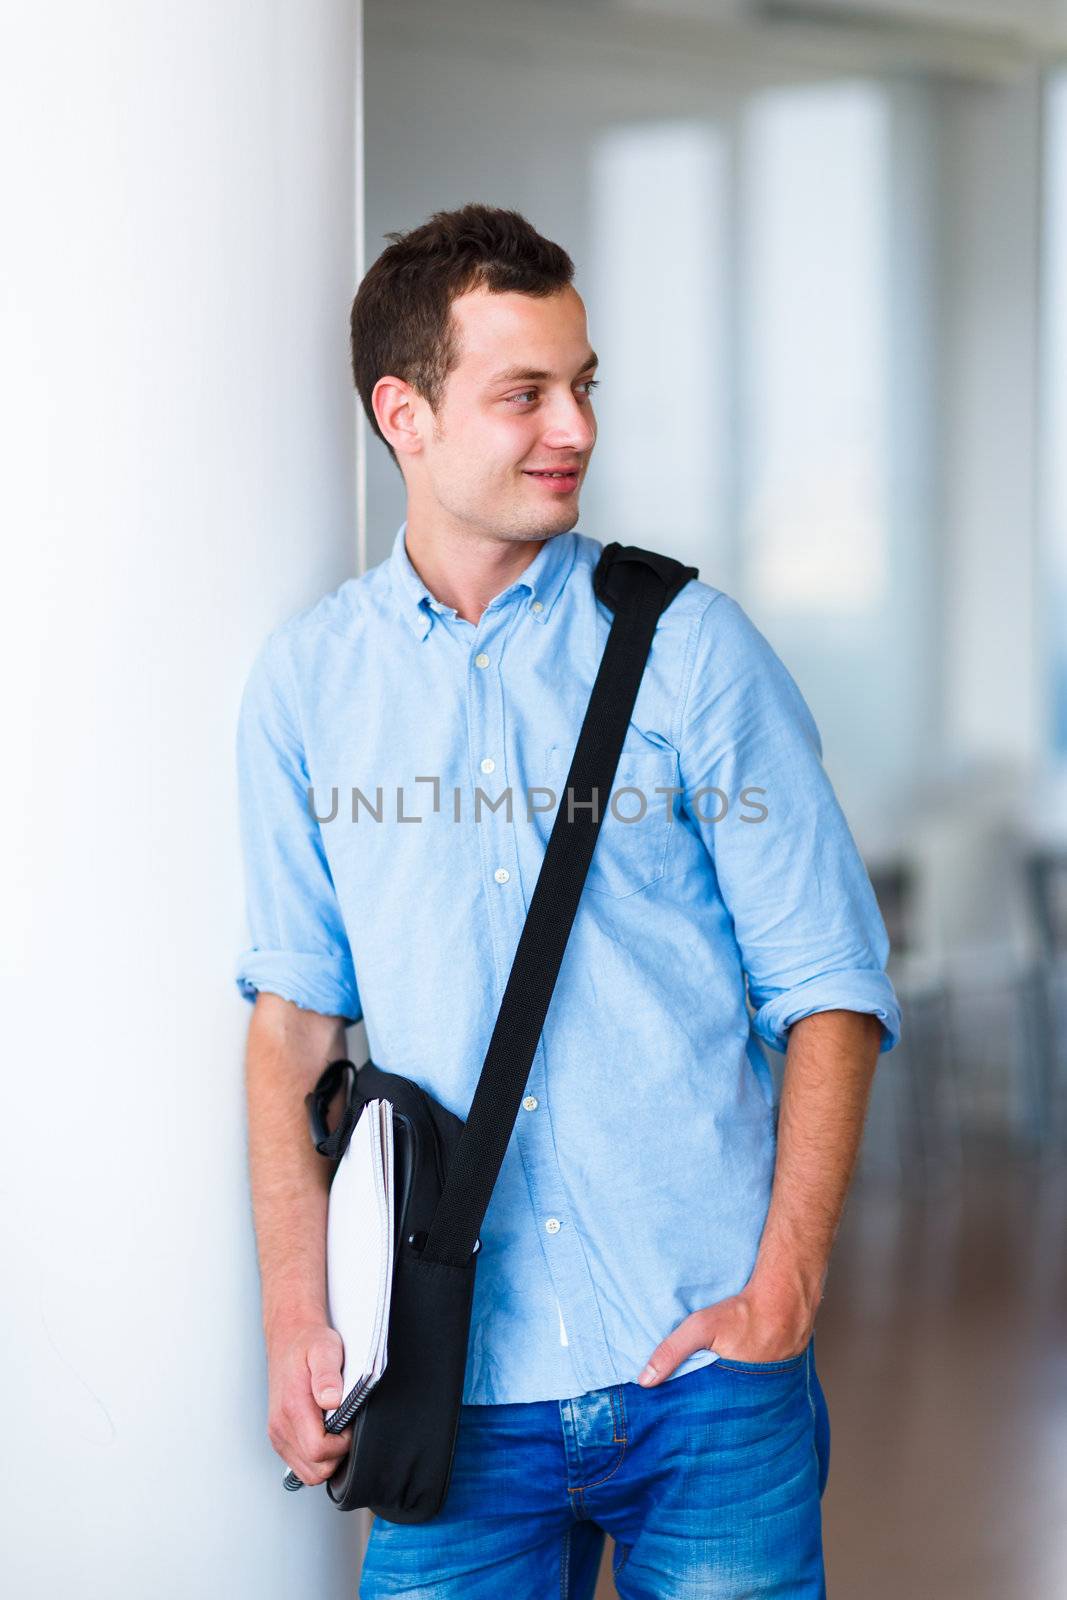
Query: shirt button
point(501, 874)
point(488, 765)
point(552, 1225)
point(530, 1103)
point(481, 659)
point(537, 606)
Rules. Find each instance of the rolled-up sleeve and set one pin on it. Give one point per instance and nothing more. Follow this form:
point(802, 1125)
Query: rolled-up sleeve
point(299, 948)
point(808, 927)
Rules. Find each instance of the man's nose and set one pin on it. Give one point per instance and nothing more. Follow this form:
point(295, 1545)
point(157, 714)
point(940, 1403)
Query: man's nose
point(571, 426)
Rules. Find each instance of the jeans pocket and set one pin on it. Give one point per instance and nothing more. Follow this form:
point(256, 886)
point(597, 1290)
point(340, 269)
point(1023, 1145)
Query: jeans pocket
point(768, 1367)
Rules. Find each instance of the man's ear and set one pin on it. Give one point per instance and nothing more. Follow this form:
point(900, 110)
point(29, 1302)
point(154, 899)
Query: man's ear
point(395, 406)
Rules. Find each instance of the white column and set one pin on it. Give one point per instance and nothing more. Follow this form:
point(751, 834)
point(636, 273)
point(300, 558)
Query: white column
point(178, 420)
point(991, 155)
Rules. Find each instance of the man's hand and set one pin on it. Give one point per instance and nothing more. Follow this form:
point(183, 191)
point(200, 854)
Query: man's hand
point(305, 1380)
point(750, 1326)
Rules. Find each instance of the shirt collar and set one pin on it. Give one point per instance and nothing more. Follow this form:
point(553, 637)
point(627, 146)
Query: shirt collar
point(543, 580)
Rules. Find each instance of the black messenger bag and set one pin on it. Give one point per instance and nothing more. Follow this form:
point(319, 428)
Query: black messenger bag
point(404, 1431)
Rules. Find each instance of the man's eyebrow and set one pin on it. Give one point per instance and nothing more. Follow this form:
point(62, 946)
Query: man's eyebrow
point(532, 375)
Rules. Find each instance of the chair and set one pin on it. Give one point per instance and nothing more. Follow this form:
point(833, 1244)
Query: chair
point(1045, 877)
point(926, 1102)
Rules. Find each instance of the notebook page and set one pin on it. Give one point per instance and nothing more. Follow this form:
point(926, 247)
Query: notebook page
point(390, 1237)
point(375, 1113)
point(357, 1259)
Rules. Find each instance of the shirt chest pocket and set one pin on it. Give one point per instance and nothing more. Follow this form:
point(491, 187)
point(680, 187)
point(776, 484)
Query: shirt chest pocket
point(631, 848)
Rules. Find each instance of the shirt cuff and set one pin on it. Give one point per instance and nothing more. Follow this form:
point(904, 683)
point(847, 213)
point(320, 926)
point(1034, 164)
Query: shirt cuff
point(313, 982)
point(859, 990)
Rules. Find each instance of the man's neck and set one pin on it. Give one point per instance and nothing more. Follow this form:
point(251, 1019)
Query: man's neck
point(466, 570)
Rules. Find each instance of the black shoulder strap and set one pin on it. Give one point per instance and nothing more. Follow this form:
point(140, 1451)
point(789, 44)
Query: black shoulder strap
point(637, 586)
point(619, 568)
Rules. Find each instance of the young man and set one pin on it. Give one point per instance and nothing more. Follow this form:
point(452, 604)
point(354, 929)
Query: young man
point(641, 1356)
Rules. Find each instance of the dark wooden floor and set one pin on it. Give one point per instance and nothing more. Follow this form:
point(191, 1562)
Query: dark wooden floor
point(942, 1348)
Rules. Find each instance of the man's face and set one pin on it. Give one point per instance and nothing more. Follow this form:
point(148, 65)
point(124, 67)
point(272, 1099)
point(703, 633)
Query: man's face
point(516, 407)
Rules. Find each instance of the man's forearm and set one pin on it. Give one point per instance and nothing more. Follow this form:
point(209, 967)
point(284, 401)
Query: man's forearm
point(287, 1050)
point(830, 1061)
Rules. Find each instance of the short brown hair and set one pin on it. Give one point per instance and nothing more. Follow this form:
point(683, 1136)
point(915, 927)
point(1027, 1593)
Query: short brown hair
point(401, 321)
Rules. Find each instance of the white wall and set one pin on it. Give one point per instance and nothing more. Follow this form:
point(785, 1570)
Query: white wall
point(178, 244)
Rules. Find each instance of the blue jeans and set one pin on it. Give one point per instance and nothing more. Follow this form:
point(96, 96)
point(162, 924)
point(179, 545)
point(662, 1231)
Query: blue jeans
point(710, 1484)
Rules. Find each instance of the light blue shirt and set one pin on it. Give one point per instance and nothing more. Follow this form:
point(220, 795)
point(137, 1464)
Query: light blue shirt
point(637, 1179)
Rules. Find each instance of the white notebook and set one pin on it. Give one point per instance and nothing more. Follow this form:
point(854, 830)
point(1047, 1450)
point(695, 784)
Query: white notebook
point(359, 1256)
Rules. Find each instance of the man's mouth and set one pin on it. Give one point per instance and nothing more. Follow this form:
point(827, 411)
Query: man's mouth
point(559, 479)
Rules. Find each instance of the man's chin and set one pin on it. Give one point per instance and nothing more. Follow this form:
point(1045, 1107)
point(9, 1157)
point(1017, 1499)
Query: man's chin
point(538, 522)
point(562, 517)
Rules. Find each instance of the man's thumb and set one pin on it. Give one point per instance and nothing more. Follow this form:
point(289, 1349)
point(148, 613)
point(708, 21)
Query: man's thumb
point(661, 1363)
point(324, 1364)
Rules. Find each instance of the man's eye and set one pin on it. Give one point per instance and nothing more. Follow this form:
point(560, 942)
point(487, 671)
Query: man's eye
point(522, 396)
point(589, 385)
